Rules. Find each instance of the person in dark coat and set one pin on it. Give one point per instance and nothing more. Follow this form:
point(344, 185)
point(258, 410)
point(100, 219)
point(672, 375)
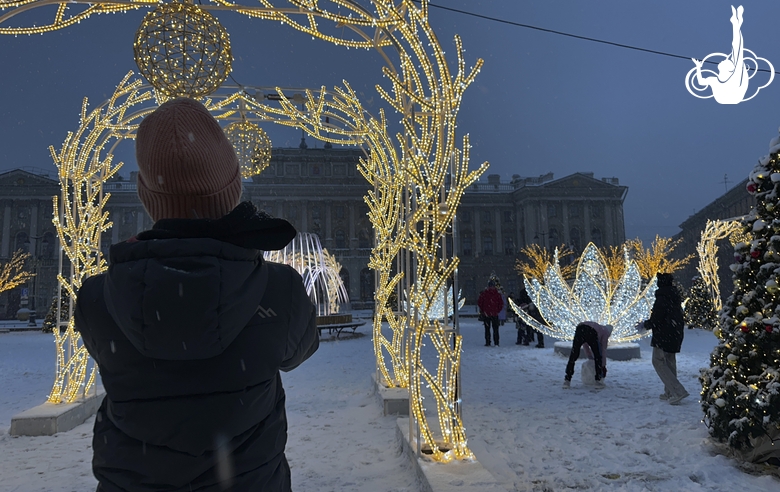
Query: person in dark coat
point(190, 326)
point(666, 321)
point(490, 303)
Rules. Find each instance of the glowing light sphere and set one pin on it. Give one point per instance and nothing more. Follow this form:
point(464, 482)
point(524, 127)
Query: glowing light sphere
point(182, 50)
point(592, 297)
point(253, 147)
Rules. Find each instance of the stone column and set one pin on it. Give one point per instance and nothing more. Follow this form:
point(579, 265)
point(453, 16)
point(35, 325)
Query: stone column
point(328, 232)
point(139, 220)
point(304, 216)
point(565, 223)
point(609, 233)
point(544, 225)
point(115, 226)
point(477, 232)
point(586, 236)
point(352, 241)
point(33, 228)
point(528, 229)
point(6, 240)
point(518, 228)
point(499, 246)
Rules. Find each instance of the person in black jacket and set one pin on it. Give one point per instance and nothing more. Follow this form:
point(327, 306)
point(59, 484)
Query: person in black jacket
point(190, 326)
point(666, 321)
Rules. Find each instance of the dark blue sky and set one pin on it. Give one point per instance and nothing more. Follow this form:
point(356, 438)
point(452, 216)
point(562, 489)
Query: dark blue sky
point(542, 102)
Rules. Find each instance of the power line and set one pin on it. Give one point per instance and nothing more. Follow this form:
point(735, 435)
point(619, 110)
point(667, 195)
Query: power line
point(561, 33)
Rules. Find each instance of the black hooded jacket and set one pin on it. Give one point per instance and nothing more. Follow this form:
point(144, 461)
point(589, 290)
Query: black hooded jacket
point(666, 318)
point(190, 328)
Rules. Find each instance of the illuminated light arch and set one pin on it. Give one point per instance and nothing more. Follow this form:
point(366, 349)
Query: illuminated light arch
point(418, 178)
point(707, 248)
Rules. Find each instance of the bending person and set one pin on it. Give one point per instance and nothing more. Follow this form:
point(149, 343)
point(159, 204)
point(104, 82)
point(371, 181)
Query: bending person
point(596, 337)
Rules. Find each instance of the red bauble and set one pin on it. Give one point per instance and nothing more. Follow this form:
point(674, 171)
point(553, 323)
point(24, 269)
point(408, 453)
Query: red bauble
point(768, 328)
point(745, 328)
point(755, 253)
point(751, 187)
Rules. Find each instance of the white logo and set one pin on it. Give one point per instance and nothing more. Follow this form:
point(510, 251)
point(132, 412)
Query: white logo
point(265, 313)
point(730, 84)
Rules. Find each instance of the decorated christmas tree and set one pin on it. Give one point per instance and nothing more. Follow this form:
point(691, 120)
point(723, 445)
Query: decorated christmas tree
point(741, 388)
point(51, 316)
point(700, 309)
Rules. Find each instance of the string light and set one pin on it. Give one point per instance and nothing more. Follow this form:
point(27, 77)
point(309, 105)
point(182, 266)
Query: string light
point(592, 297)
point(707, 248)
point(252, 145)
point(182, 50)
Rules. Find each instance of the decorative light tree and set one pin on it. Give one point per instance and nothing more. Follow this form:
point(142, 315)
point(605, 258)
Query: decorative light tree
point(741, 388)
point(12, 272)
point(592, 297)
point(657, 258)
point(708, 253)
point(699, 308)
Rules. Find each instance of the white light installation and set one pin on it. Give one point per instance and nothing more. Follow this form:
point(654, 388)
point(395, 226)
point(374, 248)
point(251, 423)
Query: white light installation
point(592, 297)
point(436, 310)
point(319, 270)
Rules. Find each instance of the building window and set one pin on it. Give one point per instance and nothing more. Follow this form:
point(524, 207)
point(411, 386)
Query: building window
point(23, 242)
point(595, 236)
point(552, 210)
point(315, 212)
point(364, 239)
point(315, 169)
point(366, 285)
point(554, 241)
point(128, 217)
point(487, 245)
point(596, 210)
point(339, 210)
point(465, 216)
point(509, 246)
point(466, 245)
point(574, 210)
point(487, 217)
point(508, 216)
point(47, 245)
point(341, 242)
point(574, 235)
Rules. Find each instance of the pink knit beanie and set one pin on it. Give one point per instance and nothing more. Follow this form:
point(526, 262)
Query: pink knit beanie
point(187, 168)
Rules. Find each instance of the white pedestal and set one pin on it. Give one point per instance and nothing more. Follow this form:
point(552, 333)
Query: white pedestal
point(617, 351)
point(49, 418)
point(460, 476)
point(395, 401)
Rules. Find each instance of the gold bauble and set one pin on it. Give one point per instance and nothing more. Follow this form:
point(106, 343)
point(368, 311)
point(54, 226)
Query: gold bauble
point(718, 332)
point(252, 146)
point(182, 50)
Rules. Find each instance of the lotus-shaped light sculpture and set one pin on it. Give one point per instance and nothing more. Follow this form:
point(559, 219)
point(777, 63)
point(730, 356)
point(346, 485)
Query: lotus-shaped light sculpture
point(593, 296)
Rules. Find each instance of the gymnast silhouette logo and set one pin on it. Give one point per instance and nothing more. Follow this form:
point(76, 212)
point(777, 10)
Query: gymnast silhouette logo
point(730, 84)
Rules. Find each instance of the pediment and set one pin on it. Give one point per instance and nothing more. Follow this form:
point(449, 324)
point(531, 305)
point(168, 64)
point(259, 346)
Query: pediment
point(578, 180)
point(20, 177)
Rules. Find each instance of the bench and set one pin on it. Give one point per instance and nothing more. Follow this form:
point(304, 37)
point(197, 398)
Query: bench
point(338, 327)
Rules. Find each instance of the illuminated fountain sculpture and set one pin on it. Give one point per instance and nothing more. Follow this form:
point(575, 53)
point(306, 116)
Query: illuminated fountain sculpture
point(319, 269)
point(592, 297)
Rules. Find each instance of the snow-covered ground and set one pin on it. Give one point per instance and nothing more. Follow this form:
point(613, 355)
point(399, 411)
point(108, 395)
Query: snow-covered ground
point(523, 427)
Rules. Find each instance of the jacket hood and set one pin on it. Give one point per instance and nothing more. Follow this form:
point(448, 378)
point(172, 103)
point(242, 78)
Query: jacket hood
point(186, 289)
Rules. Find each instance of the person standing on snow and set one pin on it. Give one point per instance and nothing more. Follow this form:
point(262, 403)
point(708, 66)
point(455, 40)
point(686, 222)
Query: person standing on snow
point(190, 326)
point(490, 303)
point(595, 338)
point(666, 321)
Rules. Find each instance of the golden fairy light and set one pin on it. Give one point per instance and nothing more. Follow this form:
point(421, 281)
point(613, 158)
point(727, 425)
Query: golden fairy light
point(416, 179)
point(85, 163)
point(707, 248)
point(182, 50)
point(658, 257)
point(253, 147)
point(12, 273)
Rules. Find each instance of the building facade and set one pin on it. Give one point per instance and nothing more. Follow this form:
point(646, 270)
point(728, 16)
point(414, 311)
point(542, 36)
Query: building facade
point(321, 191)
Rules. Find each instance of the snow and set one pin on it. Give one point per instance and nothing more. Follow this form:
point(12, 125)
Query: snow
point(523, 427)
